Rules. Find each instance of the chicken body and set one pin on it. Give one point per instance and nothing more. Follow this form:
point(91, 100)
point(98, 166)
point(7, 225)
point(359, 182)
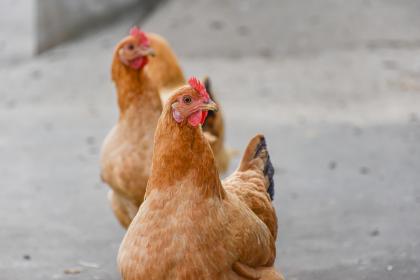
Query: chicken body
point(127, 150)
point(191, 226)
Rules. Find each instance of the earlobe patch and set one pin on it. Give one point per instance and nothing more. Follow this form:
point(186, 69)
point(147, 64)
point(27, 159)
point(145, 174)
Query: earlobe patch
point(177, 116)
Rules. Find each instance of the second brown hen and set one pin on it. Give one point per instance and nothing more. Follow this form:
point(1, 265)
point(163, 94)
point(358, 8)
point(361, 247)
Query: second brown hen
point(127, 150)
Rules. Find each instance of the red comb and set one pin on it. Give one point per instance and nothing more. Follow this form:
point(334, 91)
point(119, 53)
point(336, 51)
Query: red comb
point(136, 32)
point(198, 86)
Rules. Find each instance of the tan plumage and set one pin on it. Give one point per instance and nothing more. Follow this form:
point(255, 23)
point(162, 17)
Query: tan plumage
point(127, 150)
point(193, 226)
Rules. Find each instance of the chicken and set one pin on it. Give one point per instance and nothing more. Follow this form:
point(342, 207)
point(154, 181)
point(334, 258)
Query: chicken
point(127, 150)
point(191, 225)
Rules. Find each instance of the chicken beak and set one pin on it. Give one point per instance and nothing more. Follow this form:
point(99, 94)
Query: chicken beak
point(210, 105)
point(150, 51)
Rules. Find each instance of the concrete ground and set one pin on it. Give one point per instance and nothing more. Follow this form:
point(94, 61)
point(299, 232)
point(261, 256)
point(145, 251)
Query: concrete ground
point(334, 86)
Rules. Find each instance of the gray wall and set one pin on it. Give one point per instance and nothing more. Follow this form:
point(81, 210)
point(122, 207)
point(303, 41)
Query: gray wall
point(16, 29)
point(58, 20)
point(28, 27)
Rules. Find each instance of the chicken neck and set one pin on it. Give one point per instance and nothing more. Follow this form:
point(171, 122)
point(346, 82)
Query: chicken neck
point(182, 154)
point(134, 87)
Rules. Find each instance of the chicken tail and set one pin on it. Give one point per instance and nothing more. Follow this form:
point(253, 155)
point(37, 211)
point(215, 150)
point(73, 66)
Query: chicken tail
point(259, 273)
point(257, 154)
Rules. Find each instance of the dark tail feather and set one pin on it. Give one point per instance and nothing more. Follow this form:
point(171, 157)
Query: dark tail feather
point(261, 151)
point(257, 149)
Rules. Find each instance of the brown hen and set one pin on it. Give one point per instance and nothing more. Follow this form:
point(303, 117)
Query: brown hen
point(191, 225)
point(143, 66)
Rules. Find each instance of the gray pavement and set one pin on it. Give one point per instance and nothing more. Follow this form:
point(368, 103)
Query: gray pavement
point(334, 86)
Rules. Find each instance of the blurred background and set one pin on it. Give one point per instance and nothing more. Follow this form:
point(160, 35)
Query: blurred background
point(333, 84)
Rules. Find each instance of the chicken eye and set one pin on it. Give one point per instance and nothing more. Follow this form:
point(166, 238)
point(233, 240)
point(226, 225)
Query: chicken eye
point(186, 99)
point(130, 47)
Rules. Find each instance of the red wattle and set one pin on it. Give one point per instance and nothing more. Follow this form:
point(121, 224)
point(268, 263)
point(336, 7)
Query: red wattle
point(203, 116)
point(139, 62)
point(195, 118)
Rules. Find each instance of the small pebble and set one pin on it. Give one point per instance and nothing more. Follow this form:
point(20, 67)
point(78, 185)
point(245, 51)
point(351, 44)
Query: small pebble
point(11, 104)
point(332, 165)
point(216, 24)
point(243, 30)
point(89, 264)
point(27, 257)
point(389, 268)
point(93, 150)
point(357, 131)
point(374, 232)
point(364, 170)
point(48, 126)
point(90, 140)
point(413, 117)
point(72, 271)
point(266, 53)
point(390, 64)
point(36, 74)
